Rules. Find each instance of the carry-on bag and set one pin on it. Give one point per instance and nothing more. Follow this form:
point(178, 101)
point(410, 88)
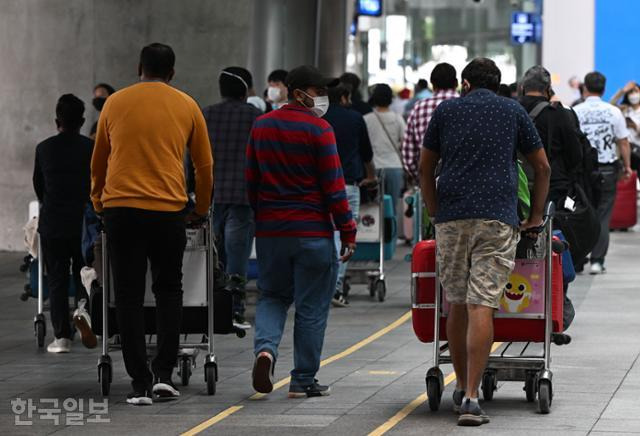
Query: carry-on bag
point(625, 208)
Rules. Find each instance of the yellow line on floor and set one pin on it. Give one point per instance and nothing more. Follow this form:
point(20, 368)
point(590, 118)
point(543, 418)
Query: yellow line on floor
point(421, 399)
point(209, 422)
point(352, 349)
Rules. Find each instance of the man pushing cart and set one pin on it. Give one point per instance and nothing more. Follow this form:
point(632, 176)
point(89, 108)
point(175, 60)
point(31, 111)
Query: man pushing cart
point(477, 137)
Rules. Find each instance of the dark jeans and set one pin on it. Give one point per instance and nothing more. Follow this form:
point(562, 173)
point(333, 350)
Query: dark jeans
point(234, 227)
point(133, 237)
point(60, 255)
point(605, 209)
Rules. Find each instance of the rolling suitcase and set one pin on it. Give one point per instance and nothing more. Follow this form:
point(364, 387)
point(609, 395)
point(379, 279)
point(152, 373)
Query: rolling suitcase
point(512, 322)
point(625, 208)
point(369, 231)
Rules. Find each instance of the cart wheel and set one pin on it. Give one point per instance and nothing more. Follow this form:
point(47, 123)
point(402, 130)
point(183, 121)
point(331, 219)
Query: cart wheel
point(433, 393)
point(544, 396)
point(210, 376)
point(530, 388)
point(489, 384)
point(241, 333)
point(104, 376)
point(185, 370)
point(26, 294)
point(381, 290)
point(40, 331)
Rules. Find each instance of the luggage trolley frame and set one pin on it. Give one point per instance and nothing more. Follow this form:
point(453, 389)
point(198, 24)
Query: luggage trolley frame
point(534, 370)
point(376, 277)
point(40, 321)
point(188, 351)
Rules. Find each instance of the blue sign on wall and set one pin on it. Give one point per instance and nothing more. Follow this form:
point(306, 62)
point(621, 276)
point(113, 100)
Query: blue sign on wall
point(372, 8)
point(526, 28)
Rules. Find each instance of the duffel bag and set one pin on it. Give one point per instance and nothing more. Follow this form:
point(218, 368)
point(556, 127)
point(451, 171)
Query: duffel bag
point(580, 226)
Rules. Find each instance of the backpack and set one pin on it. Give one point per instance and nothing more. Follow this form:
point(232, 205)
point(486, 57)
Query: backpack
point(524, 194)
point(525, 171)
point(581, 226)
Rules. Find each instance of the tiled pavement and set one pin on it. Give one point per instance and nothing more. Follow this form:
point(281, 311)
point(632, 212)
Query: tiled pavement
point(596, 378)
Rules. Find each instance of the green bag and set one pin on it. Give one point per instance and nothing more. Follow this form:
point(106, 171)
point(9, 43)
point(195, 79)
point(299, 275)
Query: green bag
point(524, 196)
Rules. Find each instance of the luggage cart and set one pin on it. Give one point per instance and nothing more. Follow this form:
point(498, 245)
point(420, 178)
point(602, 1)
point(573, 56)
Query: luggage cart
point(198, 288)
point(534, 369)
point(40, 322)
point(372, 271)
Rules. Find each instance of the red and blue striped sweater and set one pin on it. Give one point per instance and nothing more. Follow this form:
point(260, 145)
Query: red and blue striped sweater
point(294, 177)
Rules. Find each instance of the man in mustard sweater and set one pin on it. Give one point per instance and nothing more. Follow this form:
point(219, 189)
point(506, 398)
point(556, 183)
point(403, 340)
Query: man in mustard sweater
point(138, 183)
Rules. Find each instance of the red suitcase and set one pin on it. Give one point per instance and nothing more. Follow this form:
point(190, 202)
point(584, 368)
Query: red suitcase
point(507, 329)
point(625, 209)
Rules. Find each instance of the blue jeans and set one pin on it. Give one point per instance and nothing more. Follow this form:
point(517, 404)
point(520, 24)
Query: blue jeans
point(353, 197)
point(233, 226)
point(393, 185)
point(300, 271)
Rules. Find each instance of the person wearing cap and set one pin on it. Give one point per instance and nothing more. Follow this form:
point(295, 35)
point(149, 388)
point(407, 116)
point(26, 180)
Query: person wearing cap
point(229, 123)
point(556, 128)
point(297, 190)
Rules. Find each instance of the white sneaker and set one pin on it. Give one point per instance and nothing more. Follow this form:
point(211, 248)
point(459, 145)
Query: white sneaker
point(82, 321)
point(87, 276)
point(62, 345)
point(596, 268)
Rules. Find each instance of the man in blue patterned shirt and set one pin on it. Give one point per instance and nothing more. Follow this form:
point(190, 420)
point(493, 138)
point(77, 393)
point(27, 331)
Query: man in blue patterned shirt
point(475, 214)
point(229, 124)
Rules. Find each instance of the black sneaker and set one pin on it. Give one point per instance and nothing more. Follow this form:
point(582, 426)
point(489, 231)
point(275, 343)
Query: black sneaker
point(312, 390)
point(339, 301)
point(471, 415)
point(140, 397)
point(240, 322)
point(263, 372)
point(458, 396)
point(165, 390)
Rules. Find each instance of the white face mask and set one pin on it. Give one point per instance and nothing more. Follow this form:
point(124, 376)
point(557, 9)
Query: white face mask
point(634, 98)
point(320, 105)
point(274, 94)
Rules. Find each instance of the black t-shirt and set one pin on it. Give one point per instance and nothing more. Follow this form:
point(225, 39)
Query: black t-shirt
point(62, 181)
point(564, 152)
point(361, 106)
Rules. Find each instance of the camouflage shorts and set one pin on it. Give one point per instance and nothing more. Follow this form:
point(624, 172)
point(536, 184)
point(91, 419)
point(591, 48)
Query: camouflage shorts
point(475, 258)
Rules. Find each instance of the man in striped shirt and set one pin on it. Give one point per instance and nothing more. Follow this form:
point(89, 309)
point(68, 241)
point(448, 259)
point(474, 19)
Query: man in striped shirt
point(444, 82)
point(296, 187)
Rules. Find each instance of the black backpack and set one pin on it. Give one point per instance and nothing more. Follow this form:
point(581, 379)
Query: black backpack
point(580, 226)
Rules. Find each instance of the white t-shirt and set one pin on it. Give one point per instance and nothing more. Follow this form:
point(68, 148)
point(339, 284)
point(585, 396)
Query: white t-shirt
point(603, 124)
point(385, 152)
point(634, 114)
